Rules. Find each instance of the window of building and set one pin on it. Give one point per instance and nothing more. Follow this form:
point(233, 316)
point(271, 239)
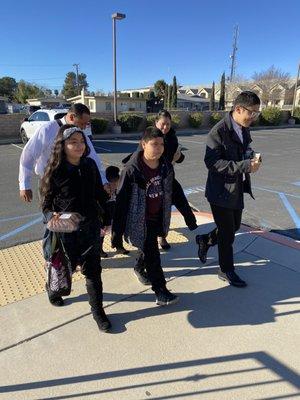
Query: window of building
point(108, 106)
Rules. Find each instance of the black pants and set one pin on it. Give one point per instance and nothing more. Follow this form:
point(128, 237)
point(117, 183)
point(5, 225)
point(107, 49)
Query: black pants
point(181, 203)
point(83, 247)
point(149, 257)
point(228, 221)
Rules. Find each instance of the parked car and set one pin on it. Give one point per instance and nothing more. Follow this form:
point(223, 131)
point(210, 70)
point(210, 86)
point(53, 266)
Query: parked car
point(40, 117)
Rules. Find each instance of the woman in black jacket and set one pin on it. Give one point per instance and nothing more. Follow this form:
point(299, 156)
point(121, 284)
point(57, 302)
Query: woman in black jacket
point(72, 184)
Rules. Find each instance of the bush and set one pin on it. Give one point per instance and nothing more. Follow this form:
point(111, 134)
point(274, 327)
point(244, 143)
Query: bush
point(98, 125)
point(130, 122)
point(297, 115)
point(175, 120)
point(195, 119)
point(150, 120)
point(270, 116)
point(214, 118)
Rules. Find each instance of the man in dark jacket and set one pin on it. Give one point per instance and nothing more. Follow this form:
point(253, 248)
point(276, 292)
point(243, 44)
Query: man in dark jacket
point(143, 208)
point(229, 160)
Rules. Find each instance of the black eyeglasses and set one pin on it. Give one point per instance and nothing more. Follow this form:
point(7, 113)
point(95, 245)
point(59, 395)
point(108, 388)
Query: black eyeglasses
point(253, 114)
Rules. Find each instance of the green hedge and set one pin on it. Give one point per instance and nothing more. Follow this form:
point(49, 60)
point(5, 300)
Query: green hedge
point(130, 122)
point(297, 115)
point(195, 119)
point(175, 120)
point(215, 117)
point(270, 116)
point(98, 125)
point(150, 120)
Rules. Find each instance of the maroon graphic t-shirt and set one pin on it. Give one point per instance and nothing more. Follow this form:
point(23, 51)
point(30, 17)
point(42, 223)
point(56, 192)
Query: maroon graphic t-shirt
point(154, 191)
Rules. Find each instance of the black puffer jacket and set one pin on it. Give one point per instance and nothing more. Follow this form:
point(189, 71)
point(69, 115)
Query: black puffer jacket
point(130, 210)
point(76, 189)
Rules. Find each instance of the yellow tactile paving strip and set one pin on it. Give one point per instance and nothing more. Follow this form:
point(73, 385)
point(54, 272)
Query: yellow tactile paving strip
point(22, 272)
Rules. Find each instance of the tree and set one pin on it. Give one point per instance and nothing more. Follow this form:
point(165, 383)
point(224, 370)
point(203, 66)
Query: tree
point(174, 93)
point(160, 88)
point(166, 97)
point(212, 98)
point(70, 88)
point(267, 79)
point(8, 87)
point(27, 90)
point(70, 85)
point(170, 91)
point(47, 92)
point(56, 92)
point(82, 82)
point(222, 93)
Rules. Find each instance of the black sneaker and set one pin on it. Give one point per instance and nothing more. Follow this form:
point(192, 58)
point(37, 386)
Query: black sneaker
point(142, 276)
point(103, 254)
point(163, 243)
point(202, 248)
point(122, 250)
point(232, 278)
point(102, 321)
point(165, 298)
point(57, 301)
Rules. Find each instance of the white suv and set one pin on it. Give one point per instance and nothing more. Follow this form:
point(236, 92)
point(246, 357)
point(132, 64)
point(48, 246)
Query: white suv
point(39, 118)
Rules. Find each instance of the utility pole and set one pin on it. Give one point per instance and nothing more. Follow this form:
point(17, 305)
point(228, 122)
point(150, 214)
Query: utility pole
point(295, 90)
point(77, 80)
point(115, 17)
point(234, 51)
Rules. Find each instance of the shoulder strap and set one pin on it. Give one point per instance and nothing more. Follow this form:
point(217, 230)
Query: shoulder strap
point(59, 122)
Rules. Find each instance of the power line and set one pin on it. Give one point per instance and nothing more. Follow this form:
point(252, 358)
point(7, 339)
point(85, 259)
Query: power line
point(42, 79)
point(35, 65)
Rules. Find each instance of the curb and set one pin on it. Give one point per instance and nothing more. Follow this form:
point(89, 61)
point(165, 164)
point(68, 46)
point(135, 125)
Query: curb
point(137, 135)
point(273, 237)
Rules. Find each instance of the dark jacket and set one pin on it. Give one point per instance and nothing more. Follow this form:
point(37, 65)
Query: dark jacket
point(76, 189)
point(171, 145)
point(227, 160)
point(130, 210)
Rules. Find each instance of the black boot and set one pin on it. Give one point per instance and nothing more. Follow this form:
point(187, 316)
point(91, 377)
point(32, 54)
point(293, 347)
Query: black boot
point(56, 301)
point(103, 254)
point(101, 319)
point(94, 290)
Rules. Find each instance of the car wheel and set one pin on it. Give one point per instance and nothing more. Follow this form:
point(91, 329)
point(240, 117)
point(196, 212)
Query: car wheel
point(23, 135)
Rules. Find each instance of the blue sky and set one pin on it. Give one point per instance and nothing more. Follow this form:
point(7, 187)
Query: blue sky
point(158, 39)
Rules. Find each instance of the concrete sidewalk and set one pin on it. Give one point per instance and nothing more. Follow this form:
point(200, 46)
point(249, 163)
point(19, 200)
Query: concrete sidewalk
point(218, 342)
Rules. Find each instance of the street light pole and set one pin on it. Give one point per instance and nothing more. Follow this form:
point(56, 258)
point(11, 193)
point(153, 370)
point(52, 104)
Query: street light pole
point(295, 90)
point(115, 16)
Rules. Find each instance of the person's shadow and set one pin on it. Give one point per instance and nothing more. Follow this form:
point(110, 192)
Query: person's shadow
point(270, 286)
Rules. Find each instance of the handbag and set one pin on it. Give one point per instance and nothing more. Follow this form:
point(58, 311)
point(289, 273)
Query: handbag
point(58, 270)
point(64, 222)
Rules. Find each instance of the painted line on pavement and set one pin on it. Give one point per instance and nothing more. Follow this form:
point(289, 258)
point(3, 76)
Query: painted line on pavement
point(117, 141)
point(290, 210)
point(20, 229)
point(102, 148)
point(19, 217)
point(276, 191)
point(15, 145)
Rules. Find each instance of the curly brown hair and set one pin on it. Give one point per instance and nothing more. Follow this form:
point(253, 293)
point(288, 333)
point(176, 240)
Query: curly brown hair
point(56, 158)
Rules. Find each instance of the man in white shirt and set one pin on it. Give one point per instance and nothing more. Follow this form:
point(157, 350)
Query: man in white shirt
point(36, 153)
